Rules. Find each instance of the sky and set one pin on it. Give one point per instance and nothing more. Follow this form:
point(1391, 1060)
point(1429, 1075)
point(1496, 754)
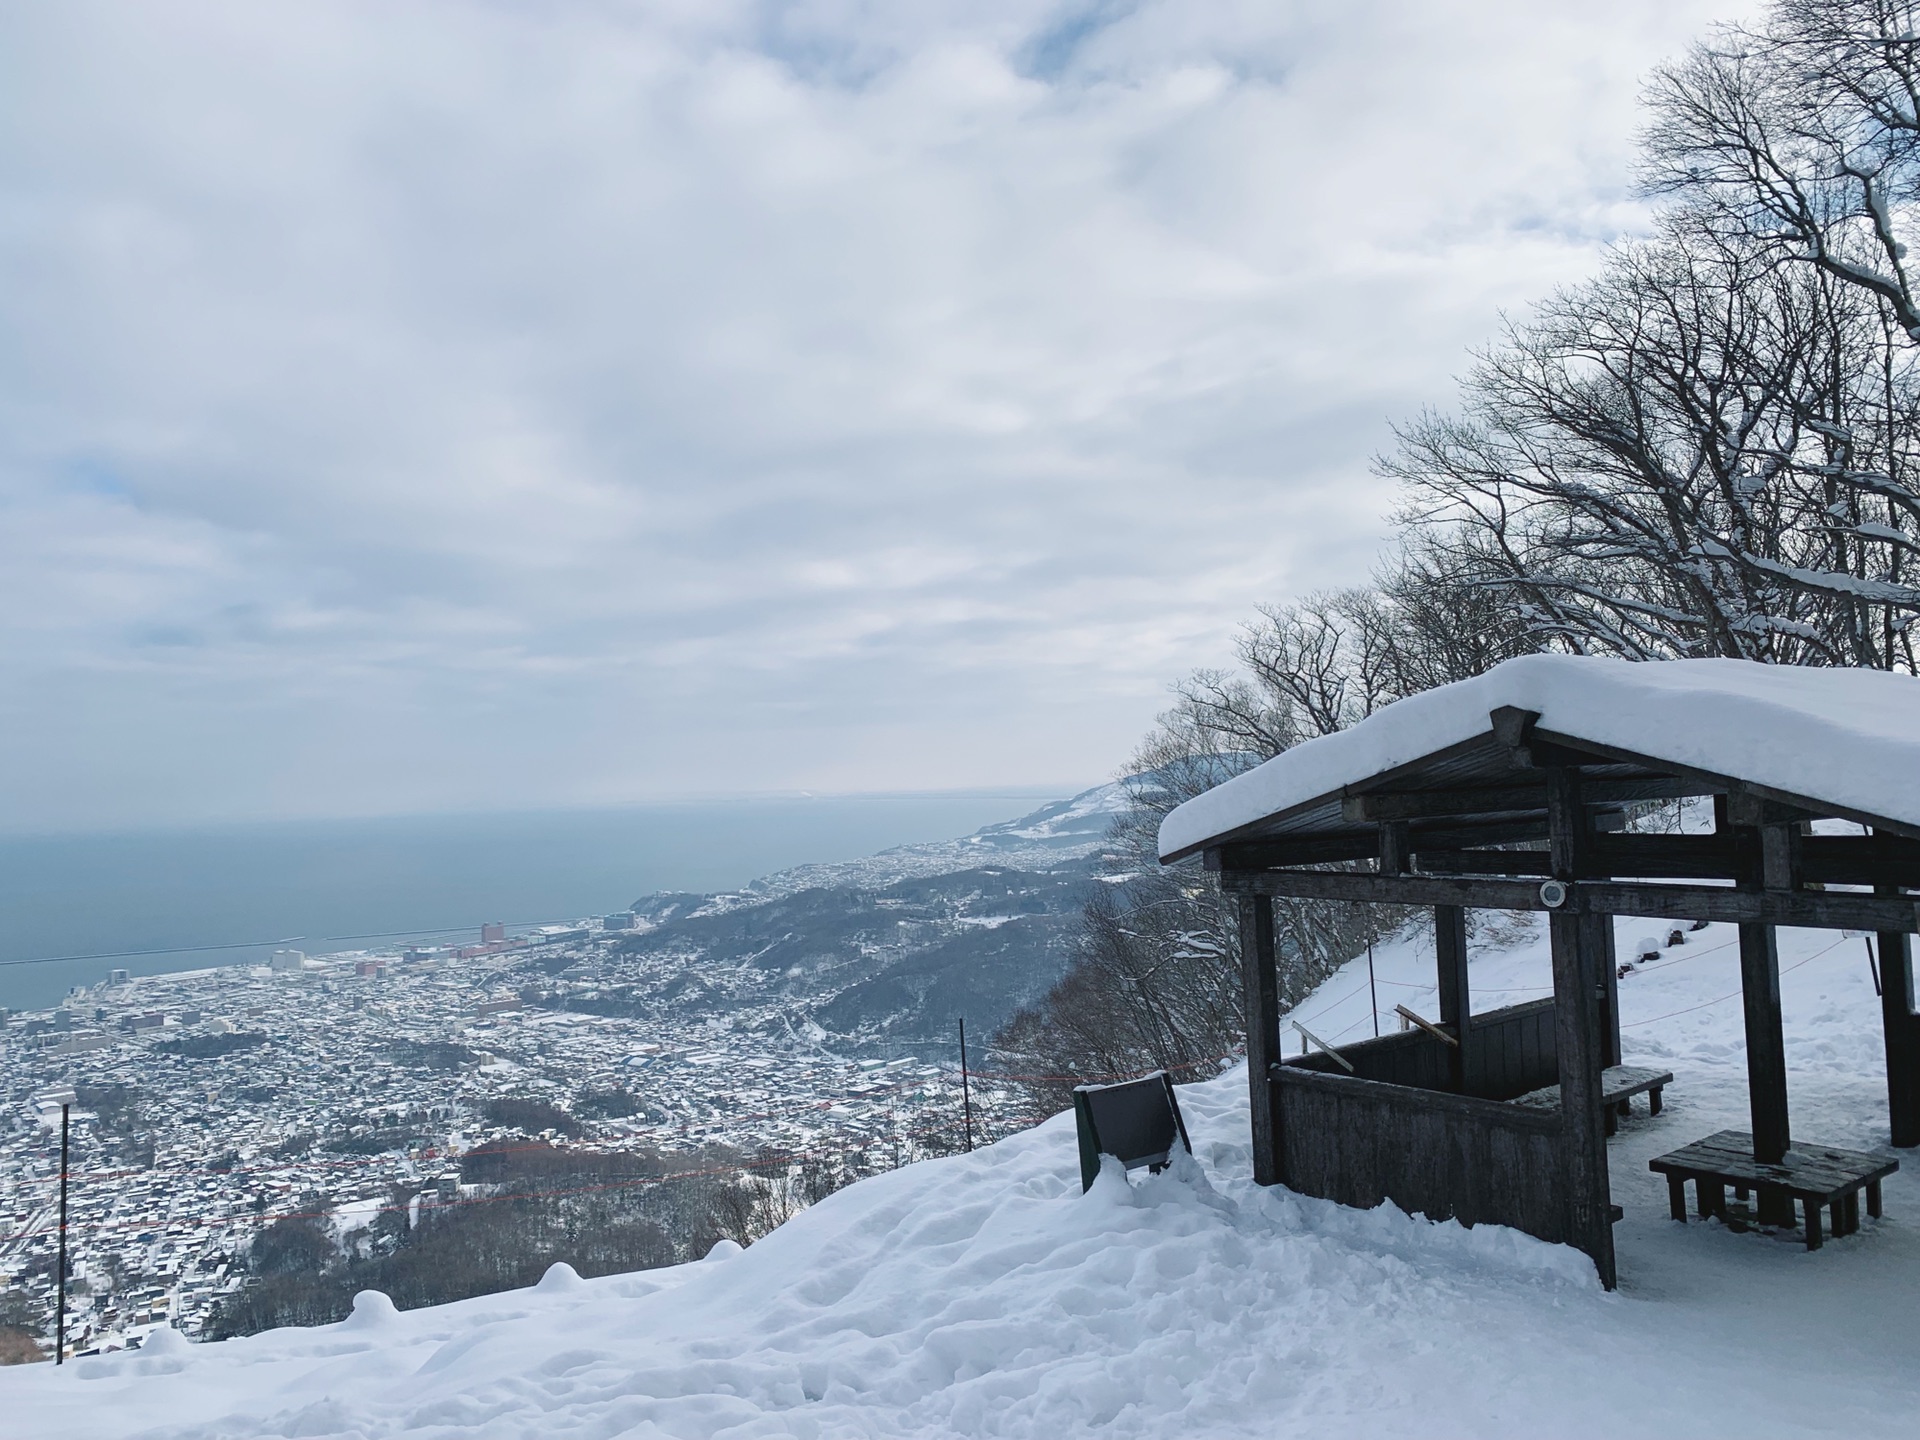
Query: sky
point(478, 404)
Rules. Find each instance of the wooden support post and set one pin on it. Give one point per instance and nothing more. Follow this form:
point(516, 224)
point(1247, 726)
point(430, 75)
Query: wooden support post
point(1608, 962)
point(1577, 1033)
point(1902, 1030)
point(1456, 999)
point(1260, 979)
point(1760, 856)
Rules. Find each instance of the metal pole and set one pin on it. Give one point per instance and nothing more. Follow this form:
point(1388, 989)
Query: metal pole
point(60, 1305)
point(966, 1092)
point(1373, 994)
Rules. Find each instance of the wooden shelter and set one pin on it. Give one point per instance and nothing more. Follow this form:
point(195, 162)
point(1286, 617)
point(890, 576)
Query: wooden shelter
point(1512, 792)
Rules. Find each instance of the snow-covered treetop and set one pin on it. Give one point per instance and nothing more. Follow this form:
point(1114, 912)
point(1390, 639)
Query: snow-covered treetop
point(1849, 739)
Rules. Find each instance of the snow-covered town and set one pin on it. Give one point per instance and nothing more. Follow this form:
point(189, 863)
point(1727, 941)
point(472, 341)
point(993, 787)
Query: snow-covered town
point(349, 1075)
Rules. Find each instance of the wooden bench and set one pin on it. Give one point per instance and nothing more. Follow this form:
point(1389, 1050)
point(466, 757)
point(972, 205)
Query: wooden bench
point(1816, 1175)
point(1618, 1085)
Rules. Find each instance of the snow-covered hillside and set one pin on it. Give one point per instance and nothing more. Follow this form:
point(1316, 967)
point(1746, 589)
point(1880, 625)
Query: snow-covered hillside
point(984, 1295)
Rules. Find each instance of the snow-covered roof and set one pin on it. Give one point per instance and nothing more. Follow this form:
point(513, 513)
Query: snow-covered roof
point(1848, 739)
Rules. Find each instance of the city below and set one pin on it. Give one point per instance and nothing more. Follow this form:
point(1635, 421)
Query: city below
point(209, 1103)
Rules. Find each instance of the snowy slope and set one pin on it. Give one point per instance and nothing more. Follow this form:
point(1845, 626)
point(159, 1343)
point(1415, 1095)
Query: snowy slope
point(983, 1295)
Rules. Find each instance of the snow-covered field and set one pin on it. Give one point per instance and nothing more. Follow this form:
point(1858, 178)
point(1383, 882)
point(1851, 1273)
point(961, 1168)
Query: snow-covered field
point(984, 1295)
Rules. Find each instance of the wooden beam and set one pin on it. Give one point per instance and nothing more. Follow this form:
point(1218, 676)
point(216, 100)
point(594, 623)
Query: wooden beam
point(1323, 1047)
point(1606, 962)
point(1688, 857)
point(1879, 860)
point(1569, 838)
point(1794, 806)
point(1763, 864)
point(1885, 861)
point(1427, 1025)
point(1482, 862)
point(1367, 807)
point(1456, 999)
point(1901, 1029)
point(1395, 847)
point(1814, 909)
point(1577, 1038)
point(1277, 854)
point(1259, 975)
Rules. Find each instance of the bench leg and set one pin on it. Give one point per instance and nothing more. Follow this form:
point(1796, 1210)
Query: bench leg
point(1853, 1211)
point(1677, 1197)
point(1653, 1101)
point(1837, 1216)
point(1712, 1196)
point(1775, 1206)
point(1873, 1198)
point(1814, 1237)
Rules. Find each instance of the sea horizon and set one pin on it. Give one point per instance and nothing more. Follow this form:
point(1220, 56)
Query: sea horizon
point(75, 905)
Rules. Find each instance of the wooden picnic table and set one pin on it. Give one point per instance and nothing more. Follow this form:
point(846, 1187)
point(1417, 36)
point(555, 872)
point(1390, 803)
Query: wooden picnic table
point(1618, 1084)
point(1818, 1176)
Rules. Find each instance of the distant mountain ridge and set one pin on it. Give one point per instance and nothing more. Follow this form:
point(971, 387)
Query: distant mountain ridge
point(1059, 831)
point(886, 951)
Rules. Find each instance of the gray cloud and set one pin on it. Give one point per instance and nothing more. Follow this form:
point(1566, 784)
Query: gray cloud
point(492, 403)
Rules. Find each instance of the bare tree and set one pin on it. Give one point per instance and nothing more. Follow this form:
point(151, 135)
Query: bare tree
point(1799, 139)
point(1702, 451)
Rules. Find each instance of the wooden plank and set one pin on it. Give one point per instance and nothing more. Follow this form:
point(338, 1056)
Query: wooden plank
point(1820, 910)
point(1438, 1102)
point(1261, 987)
point(1431, 1152)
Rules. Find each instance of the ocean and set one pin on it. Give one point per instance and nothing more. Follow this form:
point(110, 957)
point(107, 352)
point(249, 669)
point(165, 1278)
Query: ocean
point(314, 885)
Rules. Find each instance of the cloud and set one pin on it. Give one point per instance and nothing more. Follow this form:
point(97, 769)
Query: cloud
point(494, 403)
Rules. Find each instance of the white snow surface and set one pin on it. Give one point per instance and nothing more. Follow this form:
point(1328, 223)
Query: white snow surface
point(1849, 738)
point(984, 1295)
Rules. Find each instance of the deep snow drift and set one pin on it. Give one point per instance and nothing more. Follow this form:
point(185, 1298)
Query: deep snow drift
point(984, 1295)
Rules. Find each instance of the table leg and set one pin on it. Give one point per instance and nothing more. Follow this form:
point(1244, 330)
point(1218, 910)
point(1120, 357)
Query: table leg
point(1677, 1197)
point(1837, 1214)
point(1814, 1237)
point(1853, 1211)
point(1873, 1198)
point(1712, 1195)
point(1653, 1101)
